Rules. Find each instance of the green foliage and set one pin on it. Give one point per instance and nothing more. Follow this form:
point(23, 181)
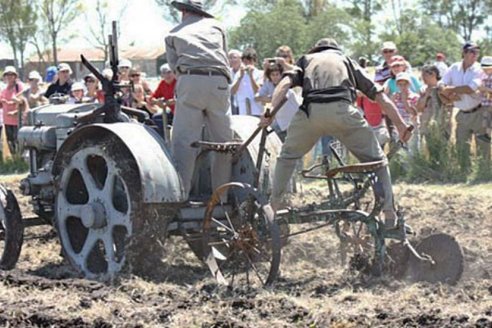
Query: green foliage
point(462, 17)
point(440, 162)
point(266, 31)
point(18, 24)
point(13, 165)
point(286, 24)
point(422, 38)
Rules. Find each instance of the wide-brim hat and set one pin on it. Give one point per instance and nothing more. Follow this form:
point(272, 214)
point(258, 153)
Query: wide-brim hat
point(486, 61)
point(403, 76)
point(324, 44)
point(10, 70)
point(195, 6)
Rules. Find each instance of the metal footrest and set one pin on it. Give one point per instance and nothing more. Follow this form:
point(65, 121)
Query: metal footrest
point(220, 147)
point(356, 168)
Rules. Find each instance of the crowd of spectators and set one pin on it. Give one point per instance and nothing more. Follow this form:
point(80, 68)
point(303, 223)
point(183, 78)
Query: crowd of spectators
point(423, 100)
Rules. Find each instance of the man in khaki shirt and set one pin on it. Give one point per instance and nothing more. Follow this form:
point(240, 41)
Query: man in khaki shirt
point(196, 52)
point(329, 80)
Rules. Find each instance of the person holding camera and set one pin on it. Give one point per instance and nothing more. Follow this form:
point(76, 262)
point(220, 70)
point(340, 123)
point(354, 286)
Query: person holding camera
point(246, 84)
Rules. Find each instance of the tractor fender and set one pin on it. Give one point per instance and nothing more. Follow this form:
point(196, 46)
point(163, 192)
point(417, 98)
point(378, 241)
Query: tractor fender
point(160, 180)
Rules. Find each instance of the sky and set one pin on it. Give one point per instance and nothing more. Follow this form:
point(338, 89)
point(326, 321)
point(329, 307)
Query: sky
point(142, 24)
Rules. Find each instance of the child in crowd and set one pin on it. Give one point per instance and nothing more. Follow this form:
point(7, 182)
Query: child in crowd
point(406, 102)
point(77, 93)
point(273, 73)
point(486, 93)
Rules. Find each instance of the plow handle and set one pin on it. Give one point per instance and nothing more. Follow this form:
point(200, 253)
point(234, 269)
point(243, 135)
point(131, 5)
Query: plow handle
point(258, 129)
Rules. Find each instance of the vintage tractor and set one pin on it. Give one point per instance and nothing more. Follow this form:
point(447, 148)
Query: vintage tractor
point(105, 179)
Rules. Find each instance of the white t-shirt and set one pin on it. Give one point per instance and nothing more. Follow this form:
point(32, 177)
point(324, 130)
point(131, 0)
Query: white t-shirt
point(288, 110)
point(472, 77)
point(245, 93)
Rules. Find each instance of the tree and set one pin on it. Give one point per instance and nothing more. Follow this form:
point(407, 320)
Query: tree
point(265, 31)
point(421, 38)
point(462, 16)
point(98, 33)
point(57, 16)
point(18, 25)
point(363, 28)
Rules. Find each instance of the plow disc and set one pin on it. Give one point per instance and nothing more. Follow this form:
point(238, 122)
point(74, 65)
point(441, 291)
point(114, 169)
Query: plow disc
point(446, 260)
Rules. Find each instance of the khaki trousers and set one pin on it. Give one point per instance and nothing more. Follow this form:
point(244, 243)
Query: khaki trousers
point(201, 101)
point(467, 125)
point(341, 121)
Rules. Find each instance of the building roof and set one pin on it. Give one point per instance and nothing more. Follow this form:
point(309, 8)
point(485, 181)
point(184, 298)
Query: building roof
point(131, 53)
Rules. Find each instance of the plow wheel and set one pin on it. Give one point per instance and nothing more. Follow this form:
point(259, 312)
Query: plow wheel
point(356, 242)
point(446, 265)
point(98, 207)
point(11, 229)
point(243, 244)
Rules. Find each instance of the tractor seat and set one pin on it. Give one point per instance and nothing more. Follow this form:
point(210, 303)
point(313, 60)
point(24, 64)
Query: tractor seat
point(356, 168)
point(220, 147)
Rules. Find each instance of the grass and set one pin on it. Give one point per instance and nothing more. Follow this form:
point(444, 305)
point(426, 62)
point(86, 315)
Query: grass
point(13, 165)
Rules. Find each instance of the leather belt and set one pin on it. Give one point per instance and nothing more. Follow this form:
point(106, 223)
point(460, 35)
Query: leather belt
point(473, 110)
point(203, 72)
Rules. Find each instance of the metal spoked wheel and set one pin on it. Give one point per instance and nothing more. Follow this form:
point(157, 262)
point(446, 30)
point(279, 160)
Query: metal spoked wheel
point(446, 265)
point(11, 229)
point(98, 207)
point(242, 241)
point(356, 242)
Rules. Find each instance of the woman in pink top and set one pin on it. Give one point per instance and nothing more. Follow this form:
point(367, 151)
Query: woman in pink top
point(10, 103)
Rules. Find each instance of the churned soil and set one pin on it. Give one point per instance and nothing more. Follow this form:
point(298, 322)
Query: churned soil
point(314, 289)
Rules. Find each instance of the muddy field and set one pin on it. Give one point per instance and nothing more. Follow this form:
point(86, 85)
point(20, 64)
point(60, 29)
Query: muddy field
point(313, 290)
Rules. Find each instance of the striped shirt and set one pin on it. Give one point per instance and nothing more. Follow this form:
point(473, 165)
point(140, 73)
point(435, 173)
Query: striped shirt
point(485, 96)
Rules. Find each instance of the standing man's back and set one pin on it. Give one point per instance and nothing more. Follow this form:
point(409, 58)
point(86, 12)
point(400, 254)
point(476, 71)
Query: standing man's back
point(196, 52)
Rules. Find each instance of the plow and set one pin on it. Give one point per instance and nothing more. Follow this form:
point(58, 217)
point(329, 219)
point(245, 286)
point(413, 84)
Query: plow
point(105, 179)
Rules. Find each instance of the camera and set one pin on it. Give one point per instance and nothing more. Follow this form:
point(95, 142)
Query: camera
point(272, 60)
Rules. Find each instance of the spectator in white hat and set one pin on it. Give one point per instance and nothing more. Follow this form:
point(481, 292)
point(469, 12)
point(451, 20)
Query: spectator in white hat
point(486, 94)
point(10, 102)
point(34, 95)
point(406, 102)
point(77, 96)
point(124, 67)
point(64, 84)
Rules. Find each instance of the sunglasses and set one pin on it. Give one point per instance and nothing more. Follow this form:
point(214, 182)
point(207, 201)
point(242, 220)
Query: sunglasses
point(135, 75)
point(10, 74)
point(472, 51)
point(387, 51)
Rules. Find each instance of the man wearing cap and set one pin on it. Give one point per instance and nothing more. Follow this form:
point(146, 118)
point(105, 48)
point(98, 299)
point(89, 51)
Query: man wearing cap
point(462, 81)
point(329, 80)
point(163, 96)
point(64, 84)
point(197, 52)
point(9, 101)
point(383, 71)
point(441, 63)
